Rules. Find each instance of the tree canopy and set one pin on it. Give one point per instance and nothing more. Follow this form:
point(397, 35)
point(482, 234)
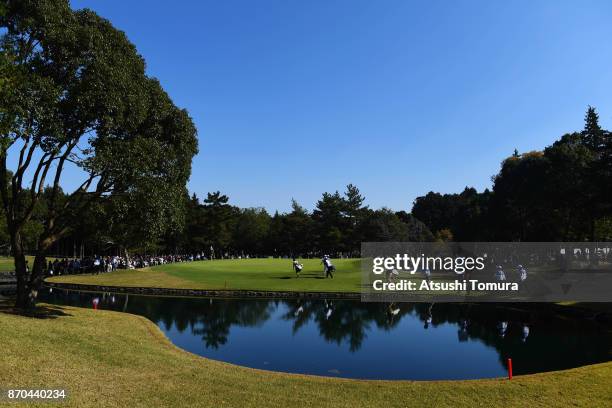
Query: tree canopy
point(78, 100)
point(561, 193)
point(337, 225)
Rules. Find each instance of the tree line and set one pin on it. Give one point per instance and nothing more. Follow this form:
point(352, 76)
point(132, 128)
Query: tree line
point(562, 193)
point(337, 225)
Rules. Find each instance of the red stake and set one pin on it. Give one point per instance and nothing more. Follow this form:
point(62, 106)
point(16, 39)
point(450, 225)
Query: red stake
point(509, 368)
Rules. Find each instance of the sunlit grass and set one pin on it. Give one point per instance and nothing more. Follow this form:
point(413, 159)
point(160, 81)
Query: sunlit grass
point(112, 359)
point(7, 264)
point(239, 274)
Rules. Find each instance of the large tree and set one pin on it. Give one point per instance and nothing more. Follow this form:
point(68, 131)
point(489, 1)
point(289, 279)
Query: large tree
point(250, 231)
point(78, 101)
point(218, 219)
point(465, 214)
point(520, 209)
point(597, 186)
point(354, 213)
point(330, 222)
point(298, 230)
point(568, 190)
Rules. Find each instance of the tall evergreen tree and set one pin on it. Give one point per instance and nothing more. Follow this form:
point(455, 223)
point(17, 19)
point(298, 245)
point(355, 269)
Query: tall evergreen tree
point(330, 222)
point(298, 230)
point(354, 212)
point(592, 134)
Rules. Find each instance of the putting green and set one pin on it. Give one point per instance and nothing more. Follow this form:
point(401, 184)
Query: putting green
point(233, 274)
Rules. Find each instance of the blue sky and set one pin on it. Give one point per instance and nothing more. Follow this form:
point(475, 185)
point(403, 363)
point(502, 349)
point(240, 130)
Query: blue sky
point(294, 98)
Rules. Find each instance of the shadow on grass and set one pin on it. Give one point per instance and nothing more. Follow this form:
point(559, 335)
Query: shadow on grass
point(40, 312)
point(301, 277)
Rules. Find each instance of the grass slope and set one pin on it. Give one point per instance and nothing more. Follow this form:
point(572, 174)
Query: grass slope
point(256, 274)
point(113, 359)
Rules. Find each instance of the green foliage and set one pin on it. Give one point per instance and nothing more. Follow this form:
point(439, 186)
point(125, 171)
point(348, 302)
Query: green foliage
point(82, 96)
point(444, 235)
point(74, 92)
point(559, 194)
point(339, 223)
point(251, 230)
point(386, 225)
point(329, 222)
point(298, 230)
point(593, 134)
point(466, 213)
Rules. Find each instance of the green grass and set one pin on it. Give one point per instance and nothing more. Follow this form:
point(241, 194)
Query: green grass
point(7, 263)
point(253, 274)
point(113, 359)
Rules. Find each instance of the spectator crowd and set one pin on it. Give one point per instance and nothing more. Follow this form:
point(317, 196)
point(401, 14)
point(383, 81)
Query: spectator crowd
point(99, 264)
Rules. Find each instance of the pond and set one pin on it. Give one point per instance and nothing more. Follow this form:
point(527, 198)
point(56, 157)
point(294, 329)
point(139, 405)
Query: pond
point(347, 338)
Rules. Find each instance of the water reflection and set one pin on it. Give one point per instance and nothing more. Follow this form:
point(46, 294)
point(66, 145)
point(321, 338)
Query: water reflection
point(368, 340)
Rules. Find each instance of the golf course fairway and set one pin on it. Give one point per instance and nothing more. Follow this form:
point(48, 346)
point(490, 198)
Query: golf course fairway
point(267, 274)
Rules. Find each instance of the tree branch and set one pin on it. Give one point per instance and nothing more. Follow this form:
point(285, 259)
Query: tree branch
point(58, 174)
point(4, 183)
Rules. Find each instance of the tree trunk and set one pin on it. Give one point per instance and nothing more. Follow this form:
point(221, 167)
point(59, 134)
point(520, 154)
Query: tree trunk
point(24, 299)
point(30, 282)
point(37, 275)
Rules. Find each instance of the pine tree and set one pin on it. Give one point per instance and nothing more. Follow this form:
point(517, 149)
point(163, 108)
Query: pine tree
point(592, 135)
point(353, 201)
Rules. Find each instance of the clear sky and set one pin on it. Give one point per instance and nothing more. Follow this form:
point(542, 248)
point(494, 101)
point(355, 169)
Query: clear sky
point(293, 98)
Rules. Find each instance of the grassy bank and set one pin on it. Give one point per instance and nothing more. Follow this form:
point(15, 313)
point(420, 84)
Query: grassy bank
point(115, 360)
point(255, 274)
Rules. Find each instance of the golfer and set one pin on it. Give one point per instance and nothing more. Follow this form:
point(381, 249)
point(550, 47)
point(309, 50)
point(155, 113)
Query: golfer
point(522, 273)
point(503, 328)
point(525, 333)
point(427, 274)
point(500, 275)
point(297, 267)
point(329, 268)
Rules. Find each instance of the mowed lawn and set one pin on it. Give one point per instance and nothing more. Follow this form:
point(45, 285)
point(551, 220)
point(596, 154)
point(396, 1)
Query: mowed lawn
point(233, 274)
point(7, 264)
point(112, 359)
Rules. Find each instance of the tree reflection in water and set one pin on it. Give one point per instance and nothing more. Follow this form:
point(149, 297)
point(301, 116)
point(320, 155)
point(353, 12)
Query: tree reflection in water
point(532, 334)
